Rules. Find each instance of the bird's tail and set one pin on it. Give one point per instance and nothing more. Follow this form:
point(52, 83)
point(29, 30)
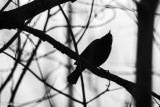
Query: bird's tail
point(73, 77)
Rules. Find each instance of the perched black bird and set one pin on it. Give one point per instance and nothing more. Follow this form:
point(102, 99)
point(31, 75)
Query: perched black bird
point(96, 53)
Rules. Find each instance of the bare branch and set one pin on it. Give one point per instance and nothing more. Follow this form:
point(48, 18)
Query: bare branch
point(16, 17)
point(129, 86)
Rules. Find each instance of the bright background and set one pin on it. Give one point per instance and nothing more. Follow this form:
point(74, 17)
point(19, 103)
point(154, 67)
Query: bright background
point(119, 16)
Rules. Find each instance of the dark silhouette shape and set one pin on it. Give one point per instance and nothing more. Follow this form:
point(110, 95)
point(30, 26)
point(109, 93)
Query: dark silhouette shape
point(96, 53)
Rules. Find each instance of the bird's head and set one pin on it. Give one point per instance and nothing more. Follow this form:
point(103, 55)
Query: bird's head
point(108, 37)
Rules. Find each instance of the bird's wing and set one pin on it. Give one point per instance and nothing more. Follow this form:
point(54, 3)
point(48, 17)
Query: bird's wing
point(87, 51)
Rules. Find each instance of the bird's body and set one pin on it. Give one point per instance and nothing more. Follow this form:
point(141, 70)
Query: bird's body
point(96, 53)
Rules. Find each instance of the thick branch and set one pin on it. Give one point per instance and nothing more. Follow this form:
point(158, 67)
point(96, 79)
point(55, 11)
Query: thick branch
point(16, 17)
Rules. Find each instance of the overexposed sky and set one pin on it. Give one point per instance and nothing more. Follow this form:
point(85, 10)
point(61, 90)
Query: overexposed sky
point(119, 16)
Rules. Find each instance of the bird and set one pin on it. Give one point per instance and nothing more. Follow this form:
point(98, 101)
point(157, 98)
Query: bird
point(97, 52)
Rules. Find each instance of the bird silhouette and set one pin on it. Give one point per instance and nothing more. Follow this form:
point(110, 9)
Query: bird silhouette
point(96, 53)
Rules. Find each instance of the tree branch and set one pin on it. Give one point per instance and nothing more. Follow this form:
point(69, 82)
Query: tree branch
point(16, 17)
point(129, 86)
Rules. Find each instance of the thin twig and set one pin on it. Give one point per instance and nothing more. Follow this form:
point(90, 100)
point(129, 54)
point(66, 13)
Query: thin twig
point(36, 76)
point(106, 90)
point(4, 7)
point(88, 22)
point(76, 49)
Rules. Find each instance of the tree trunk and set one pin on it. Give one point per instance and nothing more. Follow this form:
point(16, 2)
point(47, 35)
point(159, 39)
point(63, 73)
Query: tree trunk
point(146, 12)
